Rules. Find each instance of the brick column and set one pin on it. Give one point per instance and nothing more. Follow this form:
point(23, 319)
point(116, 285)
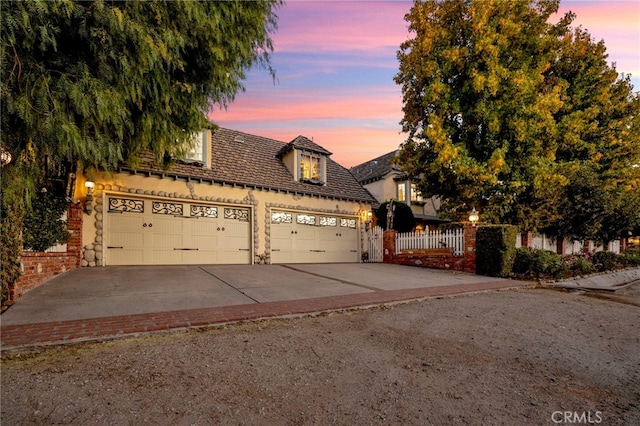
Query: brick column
point(74, 224)
point(388, 246)
point(560, 246)
point(470, 248)
point(526, 239)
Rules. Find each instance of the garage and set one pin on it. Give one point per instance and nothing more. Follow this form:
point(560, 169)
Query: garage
point(304, 237)
point(141, 231)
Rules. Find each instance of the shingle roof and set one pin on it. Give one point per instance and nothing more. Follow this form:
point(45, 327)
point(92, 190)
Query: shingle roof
point(375, 169)
point(303, 143)
point(248, 160)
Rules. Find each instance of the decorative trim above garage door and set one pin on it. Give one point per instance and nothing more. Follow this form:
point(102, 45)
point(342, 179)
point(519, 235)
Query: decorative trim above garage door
point(93, 253)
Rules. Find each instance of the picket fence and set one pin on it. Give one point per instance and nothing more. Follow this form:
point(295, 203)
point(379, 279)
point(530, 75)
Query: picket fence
point(431, 239)
point(374, 246)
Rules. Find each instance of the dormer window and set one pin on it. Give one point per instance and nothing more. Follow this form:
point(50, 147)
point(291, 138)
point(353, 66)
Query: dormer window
point(311, 167)
point(198, 154)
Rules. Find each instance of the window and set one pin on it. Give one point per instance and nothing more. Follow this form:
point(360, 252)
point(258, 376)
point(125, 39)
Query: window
point(198, 152)
point(402, 192)
point(310, 167)
point(416, 197)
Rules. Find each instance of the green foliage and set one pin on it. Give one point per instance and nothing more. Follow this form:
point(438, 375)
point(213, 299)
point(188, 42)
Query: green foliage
point(403, 219)
point(525, 117)
point(43, 226)
point(581, 266)
point(539, 263)
point(631, 257)
point(495, 250)
point(605, 261)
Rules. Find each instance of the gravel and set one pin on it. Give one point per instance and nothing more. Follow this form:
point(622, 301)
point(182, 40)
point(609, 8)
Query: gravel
point(536, 356)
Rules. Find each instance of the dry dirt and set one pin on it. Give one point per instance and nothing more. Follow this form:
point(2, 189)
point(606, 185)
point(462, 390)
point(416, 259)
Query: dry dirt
point(534, 356)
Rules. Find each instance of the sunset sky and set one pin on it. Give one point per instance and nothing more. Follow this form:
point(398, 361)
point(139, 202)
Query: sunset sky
point(335, 62)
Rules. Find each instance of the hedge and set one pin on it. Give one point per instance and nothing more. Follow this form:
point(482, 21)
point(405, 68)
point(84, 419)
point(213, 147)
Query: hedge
point(495, 249)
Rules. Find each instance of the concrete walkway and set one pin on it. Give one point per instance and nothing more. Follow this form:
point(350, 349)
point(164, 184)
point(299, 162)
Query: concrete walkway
point(93, 304)
point(606, 281)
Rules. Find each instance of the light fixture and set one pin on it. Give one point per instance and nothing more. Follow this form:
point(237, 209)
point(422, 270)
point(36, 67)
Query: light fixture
point(474, 217)
point(88, 205)
point(365, 216)
point(5, 156)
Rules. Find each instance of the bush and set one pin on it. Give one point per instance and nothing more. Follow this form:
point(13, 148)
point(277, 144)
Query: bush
point(631, 257)
point(43, 226)
point(403, 219)
point(581, 266)
point(495, 250)
point(539, 263)
point(604, 261)
point(523, 260)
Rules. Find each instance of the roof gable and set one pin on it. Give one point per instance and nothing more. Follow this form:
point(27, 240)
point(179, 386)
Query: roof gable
point(302, 143)
point(375, 169)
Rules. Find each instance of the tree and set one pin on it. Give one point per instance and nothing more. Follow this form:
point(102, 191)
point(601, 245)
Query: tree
point(403, 219)
point(97, 82)
point(503, 107)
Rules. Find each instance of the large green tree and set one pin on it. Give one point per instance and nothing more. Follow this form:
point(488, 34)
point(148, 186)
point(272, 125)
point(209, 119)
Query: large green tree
point(506, 109)
point(96, 82)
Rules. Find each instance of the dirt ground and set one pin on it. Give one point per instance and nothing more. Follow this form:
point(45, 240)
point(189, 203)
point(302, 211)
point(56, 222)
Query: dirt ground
point(535, 356)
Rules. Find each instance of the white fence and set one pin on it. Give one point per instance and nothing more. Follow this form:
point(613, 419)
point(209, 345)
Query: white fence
point(453, 238)
point(546, 242)
point(374, 245)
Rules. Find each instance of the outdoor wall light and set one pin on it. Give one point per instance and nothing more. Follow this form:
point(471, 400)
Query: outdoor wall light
point(5, 156)
point(366, 216)
point(88, 205)
point(474, 217)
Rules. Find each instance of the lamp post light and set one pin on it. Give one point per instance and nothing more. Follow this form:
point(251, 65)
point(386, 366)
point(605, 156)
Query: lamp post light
point(474, 217)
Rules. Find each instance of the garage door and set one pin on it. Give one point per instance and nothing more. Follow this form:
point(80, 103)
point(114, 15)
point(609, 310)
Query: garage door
point(158, 232)
point(312, 238)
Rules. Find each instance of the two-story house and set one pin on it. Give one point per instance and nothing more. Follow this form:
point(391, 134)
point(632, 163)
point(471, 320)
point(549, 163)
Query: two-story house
point(386, 181)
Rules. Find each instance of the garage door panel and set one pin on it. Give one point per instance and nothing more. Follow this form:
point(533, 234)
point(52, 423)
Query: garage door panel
point(177, 233)
point(312, 238)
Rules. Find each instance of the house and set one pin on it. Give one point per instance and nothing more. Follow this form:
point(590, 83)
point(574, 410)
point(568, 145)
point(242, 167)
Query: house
point(235, 199)
point(386, 181)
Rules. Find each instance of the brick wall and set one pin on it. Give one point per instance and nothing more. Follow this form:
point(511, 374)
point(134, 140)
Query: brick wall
point(37, 267)
point(465, 263)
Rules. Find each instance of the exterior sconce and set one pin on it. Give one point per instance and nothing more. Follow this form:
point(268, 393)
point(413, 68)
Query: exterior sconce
point(474, 217)
point(88, 205)
point(5, 156)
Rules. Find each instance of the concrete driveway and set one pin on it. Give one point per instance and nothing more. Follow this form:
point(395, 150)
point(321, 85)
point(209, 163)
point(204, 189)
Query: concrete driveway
point(125, 290)
point(222, 293)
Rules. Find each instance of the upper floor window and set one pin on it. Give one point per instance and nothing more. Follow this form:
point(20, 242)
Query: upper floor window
point(198, 152)
point(402, 192)
point(311, 167)
point(416, 196)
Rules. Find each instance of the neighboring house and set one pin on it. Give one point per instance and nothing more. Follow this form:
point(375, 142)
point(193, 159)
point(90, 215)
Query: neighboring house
point(386, 181)
point(236, 199)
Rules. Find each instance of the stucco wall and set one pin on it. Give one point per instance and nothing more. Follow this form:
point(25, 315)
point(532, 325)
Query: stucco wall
point(260, 201)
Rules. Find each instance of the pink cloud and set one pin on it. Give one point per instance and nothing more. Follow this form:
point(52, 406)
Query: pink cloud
point(340, 26)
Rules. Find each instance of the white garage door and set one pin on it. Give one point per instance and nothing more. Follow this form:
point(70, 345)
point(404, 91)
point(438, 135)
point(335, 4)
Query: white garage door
point(158, 232)
point(313, 238)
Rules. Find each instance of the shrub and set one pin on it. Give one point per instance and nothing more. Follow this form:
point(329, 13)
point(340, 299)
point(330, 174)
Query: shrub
point(581, 266)
point(539, 263)
point(403, 219)
point(604, 260)
point(523, 260)
point(43, 226)
point(547, 263)
point(495, 249)
point(631, 257)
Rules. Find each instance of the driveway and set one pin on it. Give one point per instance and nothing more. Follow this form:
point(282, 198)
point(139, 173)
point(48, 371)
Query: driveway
point(222, 293)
